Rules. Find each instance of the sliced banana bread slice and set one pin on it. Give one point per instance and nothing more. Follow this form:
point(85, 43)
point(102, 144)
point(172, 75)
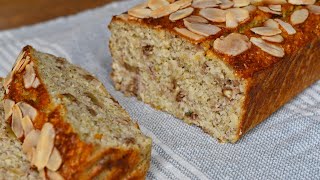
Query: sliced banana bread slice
point(14, 163)
point(224, 66)
point(69, 124)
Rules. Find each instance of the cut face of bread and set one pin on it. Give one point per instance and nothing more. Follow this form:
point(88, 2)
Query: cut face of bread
point(225, 82)
point(82, 131)
point(14, 163)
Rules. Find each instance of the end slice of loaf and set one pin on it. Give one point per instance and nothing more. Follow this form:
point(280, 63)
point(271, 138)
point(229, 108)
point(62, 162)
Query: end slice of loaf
point(13, 162)
point(221, 67)
point(70, 126)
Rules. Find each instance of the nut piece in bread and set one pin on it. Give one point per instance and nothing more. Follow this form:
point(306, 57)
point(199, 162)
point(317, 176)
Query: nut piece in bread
point(224, 67)
point(70, 126)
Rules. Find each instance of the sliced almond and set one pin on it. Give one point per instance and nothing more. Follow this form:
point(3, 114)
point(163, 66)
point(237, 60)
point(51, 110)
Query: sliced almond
point(232, 45)
point(165, 10)
point(156, 4)
point(141, 5)
point(267, 47)
point(286, 26)
point(314, 9)
point(18, 61)
point(241, 3)
point(266, 31)
point(183, 3)
point(24, 64)
point(32, 155)
point(299, 16)
point(205, 4)
point(189, 34)
point(44, 146)
point(8, 106)
point(29, 76)
point(27, 125)
point(250, 8)
point(231, 21)
point(181, 14)
point(54, 175)
point(240, 14)
point(275, 7)
point(202, 29)
point(196, 19)
point(30, 141)
point(226, 4)
point(268, 10)
point(140, 13)
point(272, 2)
point(271, 23)
point(214, 14)
point(301, 2)
point(36, 83)
point(7, 81)
point(28, 110)
point(276, 38)
point(55, 160)
point(16, 124)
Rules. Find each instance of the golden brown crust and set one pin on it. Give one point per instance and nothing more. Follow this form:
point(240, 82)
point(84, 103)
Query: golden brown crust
point(270, 89)
point(254, 60)
point(79, 159)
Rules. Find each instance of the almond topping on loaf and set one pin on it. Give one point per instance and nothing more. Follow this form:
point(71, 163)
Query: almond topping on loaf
point(55, 160)
point(16, 123)
point(268, 10)
point(28, 110)
point(213, 14)
point(8, 106)
point(241, 3)
point(188, 33)
point(30, 141)
point(29, 76)
point(202, 29)
point(233, 44)
point(266, 31)
point(299, 16)
point(276, 38)
point(27, 125)
point(286, 26)
point(196, 19)
point(314, 9)
point(205, 3)
point(267, 47)
point(181, 14)
point(271, 23)
point(275, 7)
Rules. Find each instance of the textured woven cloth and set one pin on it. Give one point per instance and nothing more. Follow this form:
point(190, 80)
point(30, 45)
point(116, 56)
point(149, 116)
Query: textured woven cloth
point(285, 146)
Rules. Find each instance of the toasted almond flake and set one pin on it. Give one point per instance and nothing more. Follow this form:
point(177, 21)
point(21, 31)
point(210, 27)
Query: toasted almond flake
point(16, 124)
point(232, 45)
point(140, 13)
point(226, 4)
point(165, 10)
point(202, 29)
point(299, 16)
point(276, 38)
point(189, 34)
point(196, 19)
point(171, 1)
point(54, 175)
point(301, 2)
point(267, 47)
point(205, 4)
point(183, 3)
point(27, 125)
point(55, 160)
point(241, 3)
point(29, 76)
point(241, 15)
point(44, 146)
point(272, 2)
point(266, 31)
point(7, 81)
point(140, 6)
point(286, 26)
point(36, 83)
point(213, 14)
point(271, 23)
point(24, 64)
point(268, 10)
point(156, 4)
point(231, 21)
point(33, 156)
point(314, 9)
point(180, 14)
point(28, 110)
point(8, 106)
point(250, 8)
point(18, 61)
point(30, 141)
point(275, 7)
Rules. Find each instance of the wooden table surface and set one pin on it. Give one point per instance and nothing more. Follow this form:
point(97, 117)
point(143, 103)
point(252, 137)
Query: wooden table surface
point(16, 13)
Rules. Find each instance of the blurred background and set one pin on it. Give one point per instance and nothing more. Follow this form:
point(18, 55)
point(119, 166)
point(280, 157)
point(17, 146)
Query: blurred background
point(16, 13)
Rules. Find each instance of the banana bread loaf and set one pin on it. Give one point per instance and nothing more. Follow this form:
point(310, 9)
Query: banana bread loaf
point(14, 163)
point(222, 65)
point(69, 125)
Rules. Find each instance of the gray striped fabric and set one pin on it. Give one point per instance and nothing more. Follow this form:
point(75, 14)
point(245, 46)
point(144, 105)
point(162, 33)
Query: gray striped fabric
point(285, 146)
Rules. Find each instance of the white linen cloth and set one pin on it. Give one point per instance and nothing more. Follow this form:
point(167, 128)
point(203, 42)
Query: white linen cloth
point(285, 146)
